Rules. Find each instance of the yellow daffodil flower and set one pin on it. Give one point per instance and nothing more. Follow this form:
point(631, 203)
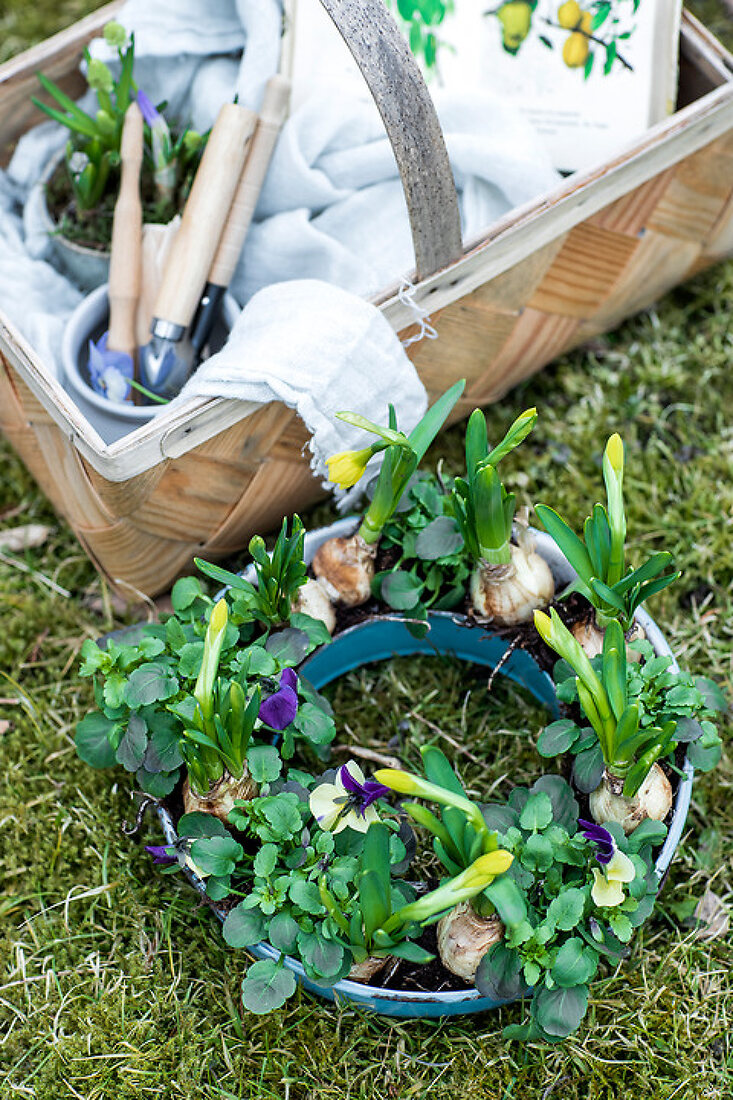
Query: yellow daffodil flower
point(346, 467)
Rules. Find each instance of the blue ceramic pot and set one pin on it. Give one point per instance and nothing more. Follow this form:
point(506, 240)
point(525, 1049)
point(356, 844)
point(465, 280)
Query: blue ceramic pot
point(451, 635)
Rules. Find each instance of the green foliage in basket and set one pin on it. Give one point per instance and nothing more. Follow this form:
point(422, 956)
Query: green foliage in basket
point(93, 149)
point(660, 695)
point(626, 746)
point(575, 894)
point(207, 688)
point(484, 510)
point(402, 454)
point(430, 569)
point(599, 557)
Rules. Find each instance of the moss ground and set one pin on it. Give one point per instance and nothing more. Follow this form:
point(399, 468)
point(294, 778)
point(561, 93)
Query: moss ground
point(114, 982)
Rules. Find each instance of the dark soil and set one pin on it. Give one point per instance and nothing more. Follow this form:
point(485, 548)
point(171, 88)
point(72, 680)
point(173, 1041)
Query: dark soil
point(93, 229)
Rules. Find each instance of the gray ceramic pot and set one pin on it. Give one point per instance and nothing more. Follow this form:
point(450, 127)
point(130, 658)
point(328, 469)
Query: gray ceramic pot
point(112, 419)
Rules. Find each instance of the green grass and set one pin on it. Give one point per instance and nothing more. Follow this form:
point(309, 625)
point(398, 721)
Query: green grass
point(114, 981)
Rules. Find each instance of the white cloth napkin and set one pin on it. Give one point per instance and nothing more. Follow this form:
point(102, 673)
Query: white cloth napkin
point(320, 350)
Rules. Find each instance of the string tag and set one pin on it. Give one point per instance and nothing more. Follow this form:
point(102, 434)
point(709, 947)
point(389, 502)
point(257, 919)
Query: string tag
point(406, 295)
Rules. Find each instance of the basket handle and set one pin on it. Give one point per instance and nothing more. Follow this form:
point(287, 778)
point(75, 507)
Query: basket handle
point(402, 98)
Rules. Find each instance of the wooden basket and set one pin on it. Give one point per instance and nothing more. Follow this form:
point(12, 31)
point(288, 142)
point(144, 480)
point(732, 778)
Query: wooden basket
point(545, 278)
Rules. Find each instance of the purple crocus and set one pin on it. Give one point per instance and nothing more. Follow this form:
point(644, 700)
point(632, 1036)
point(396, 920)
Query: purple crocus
point(600, 838)
point(109, 371)
point(280, 708)
point(161, 853)
point(363, 794)
point(147, 108)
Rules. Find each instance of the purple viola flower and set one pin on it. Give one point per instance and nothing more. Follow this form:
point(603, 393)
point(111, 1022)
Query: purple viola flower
point(361, 794)
point(109, 371)
point(161, 853)
point(279, 709)
point(600, 838)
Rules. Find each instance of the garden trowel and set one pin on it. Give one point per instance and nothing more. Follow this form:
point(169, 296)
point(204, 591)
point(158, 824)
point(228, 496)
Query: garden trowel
point(194, 247)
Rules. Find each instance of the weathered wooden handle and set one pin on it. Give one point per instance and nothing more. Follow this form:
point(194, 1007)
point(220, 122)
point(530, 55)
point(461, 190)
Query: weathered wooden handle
point(125, 257)
point(272, 115)
point(204, 216)
point(396, 83)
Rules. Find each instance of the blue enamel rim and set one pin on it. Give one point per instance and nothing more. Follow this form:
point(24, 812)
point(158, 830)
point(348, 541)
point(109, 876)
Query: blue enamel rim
point(450, 635)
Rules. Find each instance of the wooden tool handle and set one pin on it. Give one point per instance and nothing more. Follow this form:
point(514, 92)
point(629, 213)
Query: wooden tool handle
point(125, 259)
point(204, 216)
point(275, 104)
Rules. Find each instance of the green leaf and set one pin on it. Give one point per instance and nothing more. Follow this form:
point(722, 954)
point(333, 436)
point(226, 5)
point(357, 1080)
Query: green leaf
point(306, 896)
point(164, 751)
point(538, 854)
point(575, 963)
point(266, 860)
point(216, 855)
point(243, 927)
point(499, 974)
point(401, 590)
point(560, 1011)
point(565, 808)
point(588, 769)
point(706, 752)
point(315, 629)
point(283, 932)
point(267, 986)
point(264, 763)
point(314, 724)
point(712, 693)
point(288, 646)
point(197, 824)
point(157, 784)
point(566, 910)
point(439, 539)
point(190, 657)
point(508, 900)
point(537, 812)
point(96, 739)
point(150, 683)
point(133, 745)
point(558, 737)
point(185, 592)
point(321, 958)
point(425, 432)
point(566, 539)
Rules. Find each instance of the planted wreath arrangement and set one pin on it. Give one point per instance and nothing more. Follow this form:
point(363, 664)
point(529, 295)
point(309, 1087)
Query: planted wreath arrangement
point(214, 713)
point(82, 189)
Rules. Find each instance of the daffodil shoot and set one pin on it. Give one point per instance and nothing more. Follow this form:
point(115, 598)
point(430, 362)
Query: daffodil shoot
point(509, 579)
point(345, 566)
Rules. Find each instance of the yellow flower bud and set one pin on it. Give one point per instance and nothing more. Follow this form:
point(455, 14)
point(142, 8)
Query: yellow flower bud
point(219, 617)
point(615, 452)
point(346, 467)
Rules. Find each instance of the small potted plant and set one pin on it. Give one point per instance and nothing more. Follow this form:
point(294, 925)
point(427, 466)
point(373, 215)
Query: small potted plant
point(221, 716)
point(80, 185)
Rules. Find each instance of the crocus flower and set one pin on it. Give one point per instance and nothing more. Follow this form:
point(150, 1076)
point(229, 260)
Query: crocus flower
point(617, 867)
point(109, 371)
point(279, 709)
point(164, 165)
point(346, 467)
point(347, 803)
